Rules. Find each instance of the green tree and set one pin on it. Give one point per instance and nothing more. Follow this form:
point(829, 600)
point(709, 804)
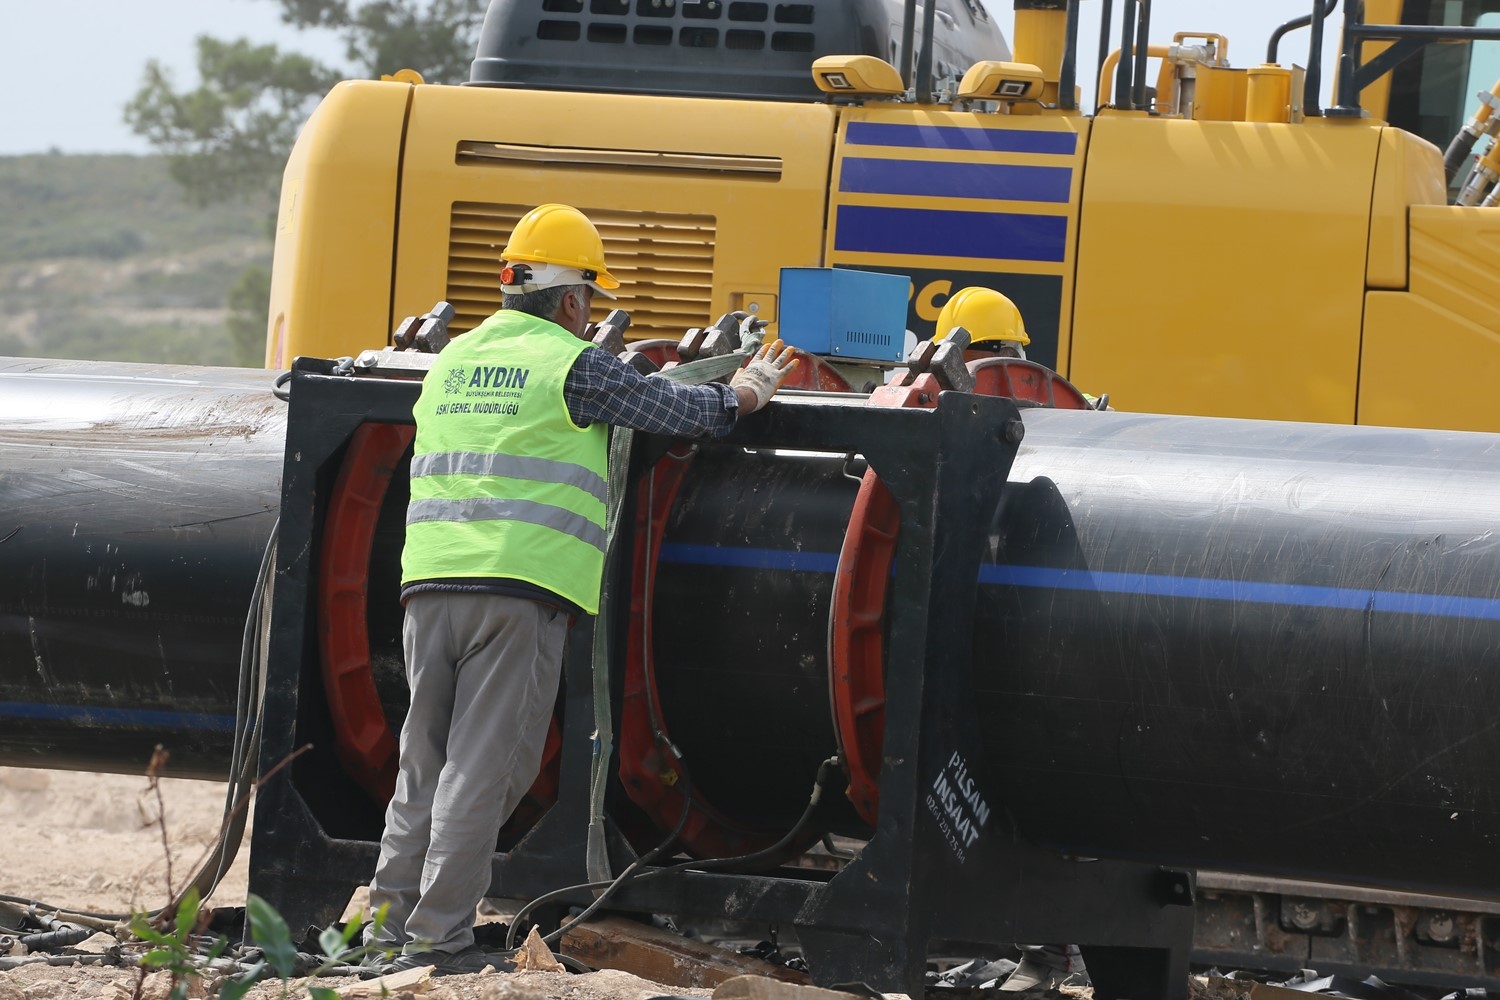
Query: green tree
point(249, 314)
point(229, 137)
point(436, 38)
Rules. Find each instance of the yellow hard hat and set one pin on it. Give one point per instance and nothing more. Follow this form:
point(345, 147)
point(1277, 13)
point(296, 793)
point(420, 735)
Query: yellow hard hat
point(562, 235)
point(985, 313)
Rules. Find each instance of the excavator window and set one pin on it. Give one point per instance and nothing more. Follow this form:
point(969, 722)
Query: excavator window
point(1484, 59)
point(1433, 93)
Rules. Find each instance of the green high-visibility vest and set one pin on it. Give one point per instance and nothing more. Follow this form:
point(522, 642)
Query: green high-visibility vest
point(503, 483)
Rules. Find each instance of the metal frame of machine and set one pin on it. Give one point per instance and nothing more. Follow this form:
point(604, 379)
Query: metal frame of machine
point(940, 868)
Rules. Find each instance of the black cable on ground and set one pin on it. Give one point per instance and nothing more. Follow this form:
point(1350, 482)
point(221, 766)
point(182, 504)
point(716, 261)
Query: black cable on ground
point(63, 913)
point(60, 937)
point(609, 888)
point(826, 770)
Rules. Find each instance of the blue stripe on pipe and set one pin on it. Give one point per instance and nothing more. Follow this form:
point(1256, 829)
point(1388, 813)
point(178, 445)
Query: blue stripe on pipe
point(95, 715)
point(1189, 587)
point(1004, 181)
point(995, 140)
point(1243, 591)
point(938, 233)
point(747, 558)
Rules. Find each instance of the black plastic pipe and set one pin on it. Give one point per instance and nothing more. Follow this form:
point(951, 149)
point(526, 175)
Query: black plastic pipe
point(135, 504)
point(1244, 645)
point(1228, 644)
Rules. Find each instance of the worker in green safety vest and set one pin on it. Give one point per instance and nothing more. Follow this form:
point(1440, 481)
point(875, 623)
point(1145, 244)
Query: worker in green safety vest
point(505, 544)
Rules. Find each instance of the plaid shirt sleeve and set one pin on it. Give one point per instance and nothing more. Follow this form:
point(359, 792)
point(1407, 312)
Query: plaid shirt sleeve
point(602, 389)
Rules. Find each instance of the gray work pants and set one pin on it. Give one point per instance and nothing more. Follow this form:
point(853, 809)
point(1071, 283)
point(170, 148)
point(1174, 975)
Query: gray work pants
point(483, 671)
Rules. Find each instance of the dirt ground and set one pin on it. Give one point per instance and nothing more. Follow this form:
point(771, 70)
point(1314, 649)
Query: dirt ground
point(48, 983)
point(89, 842)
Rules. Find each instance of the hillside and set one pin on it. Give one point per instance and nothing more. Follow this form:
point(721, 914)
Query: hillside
point(104, 259)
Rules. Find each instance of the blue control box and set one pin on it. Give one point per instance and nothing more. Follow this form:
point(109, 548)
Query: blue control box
point(852, 315)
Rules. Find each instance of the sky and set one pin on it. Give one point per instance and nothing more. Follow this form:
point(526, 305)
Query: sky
point(73, 65)
point(76, 63)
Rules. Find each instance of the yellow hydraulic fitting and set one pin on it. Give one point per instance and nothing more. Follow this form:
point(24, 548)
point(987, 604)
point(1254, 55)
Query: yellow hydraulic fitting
point(1479, 188)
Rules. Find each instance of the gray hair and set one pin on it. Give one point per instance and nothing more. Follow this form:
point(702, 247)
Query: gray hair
point(543, 302)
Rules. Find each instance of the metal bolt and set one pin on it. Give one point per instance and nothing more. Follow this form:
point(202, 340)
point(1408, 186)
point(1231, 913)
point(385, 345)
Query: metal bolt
point(1014, 430)
point(1439, 925)
point(1304, 917)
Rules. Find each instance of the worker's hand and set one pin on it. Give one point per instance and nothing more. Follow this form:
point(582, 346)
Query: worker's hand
point(758, 381)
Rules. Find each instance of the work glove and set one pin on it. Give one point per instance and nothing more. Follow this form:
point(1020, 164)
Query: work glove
point(765, 372)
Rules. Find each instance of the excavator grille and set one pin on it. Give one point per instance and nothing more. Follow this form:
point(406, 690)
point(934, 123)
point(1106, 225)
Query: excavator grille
point(665, 264)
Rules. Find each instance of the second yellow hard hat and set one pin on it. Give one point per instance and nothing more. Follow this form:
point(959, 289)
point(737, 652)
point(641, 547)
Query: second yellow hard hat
point(987, 315)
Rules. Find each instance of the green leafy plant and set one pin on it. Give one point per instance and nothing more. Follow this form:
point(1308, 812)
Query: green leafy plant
point(175, 951)
point(272, 936)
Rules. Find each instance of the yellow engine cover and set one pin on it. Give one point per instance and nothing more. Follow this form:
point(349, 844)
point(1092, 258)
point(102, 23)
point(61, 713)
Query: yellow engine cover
point(1221, 267)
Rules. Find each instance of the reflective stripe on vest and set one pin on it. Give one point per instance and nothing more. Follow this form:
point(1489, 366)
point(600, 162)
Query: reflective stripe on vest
point(543, 470)
point(504, 509)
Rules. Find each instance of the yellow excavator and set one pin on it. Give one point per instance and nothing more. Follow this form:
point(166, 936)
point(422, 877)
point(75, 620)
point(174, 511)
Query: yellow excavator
point(1210, 241)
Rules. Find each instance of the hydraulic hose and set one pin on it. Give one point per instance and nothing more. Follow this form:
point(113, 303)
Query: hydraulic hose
point(826, 772)
point(1481, 123)
point(246, 754)
point(1458, 151)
